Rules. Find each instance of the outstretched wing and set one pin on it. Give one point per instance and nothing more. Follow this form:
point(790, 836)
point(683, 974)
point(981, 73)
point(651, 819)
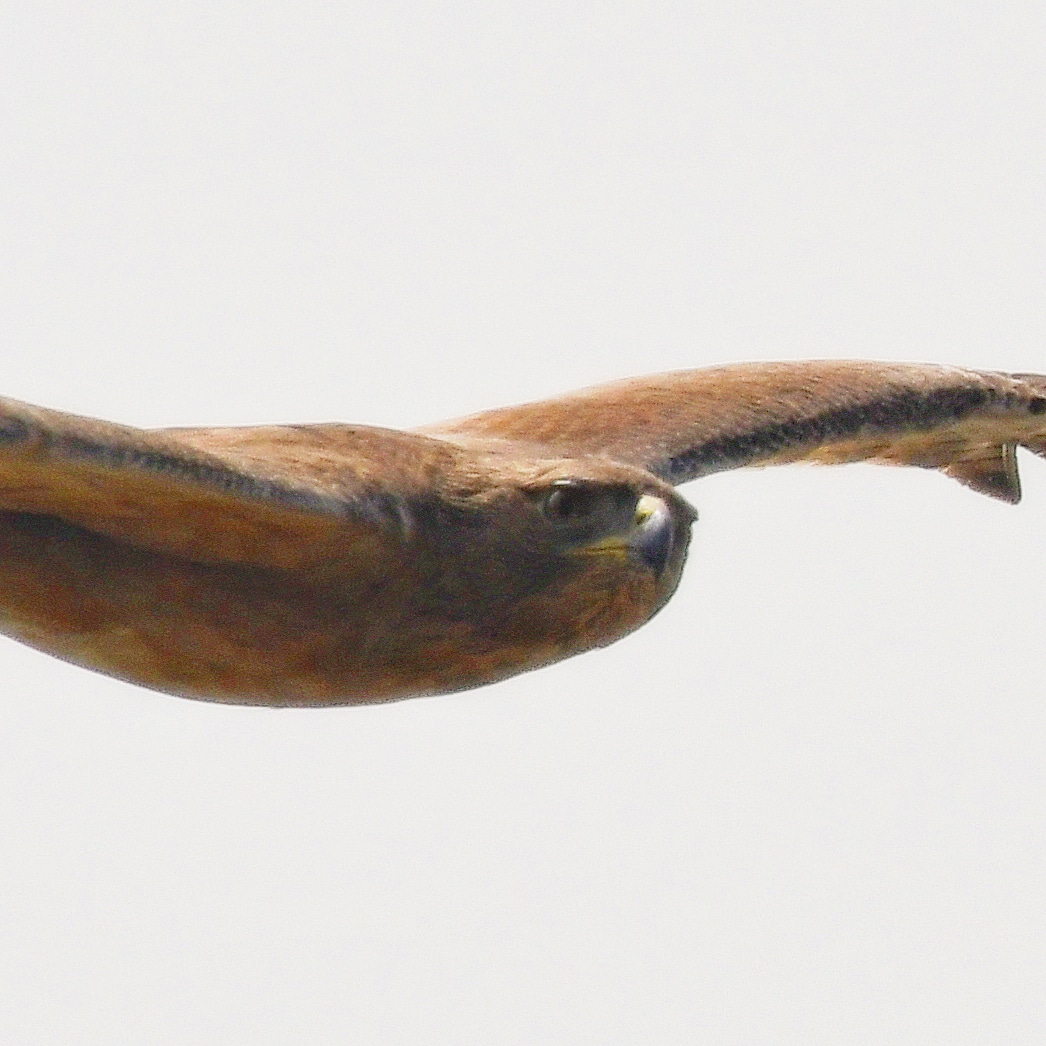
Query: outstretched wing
point(688, 424)
point(282, 496)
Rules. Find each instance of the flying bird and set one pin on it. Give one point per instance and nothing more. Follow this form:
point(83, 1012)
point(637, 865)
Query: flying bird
point(342, 564)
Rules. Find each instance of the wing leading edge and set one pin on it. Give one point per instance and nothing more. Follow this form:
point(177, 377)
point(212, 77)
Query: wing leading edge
point(687, 424)
point(282, 496)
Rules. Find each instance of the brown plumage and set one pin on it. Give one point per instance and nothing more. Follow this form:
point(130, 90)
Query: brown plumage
point(340, 564)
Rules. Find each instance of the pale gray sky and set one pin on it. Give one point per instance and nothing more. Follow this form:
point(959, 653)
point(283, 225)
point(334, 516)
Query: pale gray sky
point(805, 804)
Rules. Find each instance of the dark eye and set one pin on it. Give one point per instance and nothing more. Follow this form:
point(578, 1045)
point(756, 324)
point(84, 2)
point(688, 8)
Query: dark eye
point(571, 502)
point(592, 507)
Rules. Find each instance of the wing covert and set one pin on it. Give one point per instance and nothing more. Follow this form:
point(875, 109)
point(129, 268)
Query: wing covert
point(687, 424)
point(281, 496)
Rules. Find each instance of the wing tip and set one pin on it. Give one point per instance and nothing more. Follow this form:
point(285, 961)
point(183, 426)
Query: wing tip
point(991, 471)
point(1036, 446)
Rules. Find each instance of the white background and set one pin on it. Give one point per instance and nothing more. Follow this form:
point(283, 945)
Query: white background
point(804, 805)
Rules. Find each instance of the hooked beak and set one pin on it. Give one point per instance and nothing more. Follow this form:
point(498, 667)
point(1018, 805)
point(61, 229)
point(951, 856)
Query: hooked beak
point(654, 533)
point(649, 540)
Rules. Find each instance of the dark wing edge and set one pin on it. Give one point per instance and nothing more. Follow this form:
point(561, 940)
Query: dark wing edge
point(284, 497)
point(687, 424)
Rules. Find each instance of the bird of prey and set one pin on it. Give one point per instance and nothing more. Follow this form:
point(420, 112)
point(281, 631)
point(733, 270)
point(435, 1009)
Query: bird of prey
point(342, 564)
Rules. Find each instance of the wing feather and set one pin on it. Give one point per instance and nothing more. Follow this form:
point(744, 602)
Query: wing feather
point(688, 424)
point(282, 496)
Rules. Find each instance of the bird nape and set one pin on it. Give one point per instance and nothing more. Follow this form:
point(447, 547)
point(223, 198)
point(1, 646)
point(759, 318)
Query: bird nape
point(344, 564)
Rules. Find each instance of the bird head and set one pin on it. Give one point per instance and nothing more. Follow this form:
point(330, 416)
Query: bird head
point(543, 559)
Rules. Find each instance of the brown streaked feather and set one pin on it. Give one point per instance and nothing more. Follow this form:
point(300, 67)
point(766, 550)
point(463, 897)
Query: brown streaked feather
point(688, 424)
point(283, 497)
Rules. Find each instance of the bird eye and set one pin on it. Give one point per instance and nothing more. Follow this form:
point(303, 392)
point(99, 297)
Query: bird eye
point(570, 502)
point(594, 506)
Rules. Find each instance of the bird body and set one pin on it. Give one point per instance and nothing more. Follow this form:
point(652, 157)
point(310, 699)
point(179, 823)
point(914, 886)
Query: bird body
point(339, 564)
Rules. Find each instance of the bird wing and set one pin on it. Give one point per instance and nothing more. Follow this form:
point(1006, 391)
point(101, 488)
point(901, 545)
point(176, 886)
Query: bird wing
point(687, 424)
point(281, 496)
